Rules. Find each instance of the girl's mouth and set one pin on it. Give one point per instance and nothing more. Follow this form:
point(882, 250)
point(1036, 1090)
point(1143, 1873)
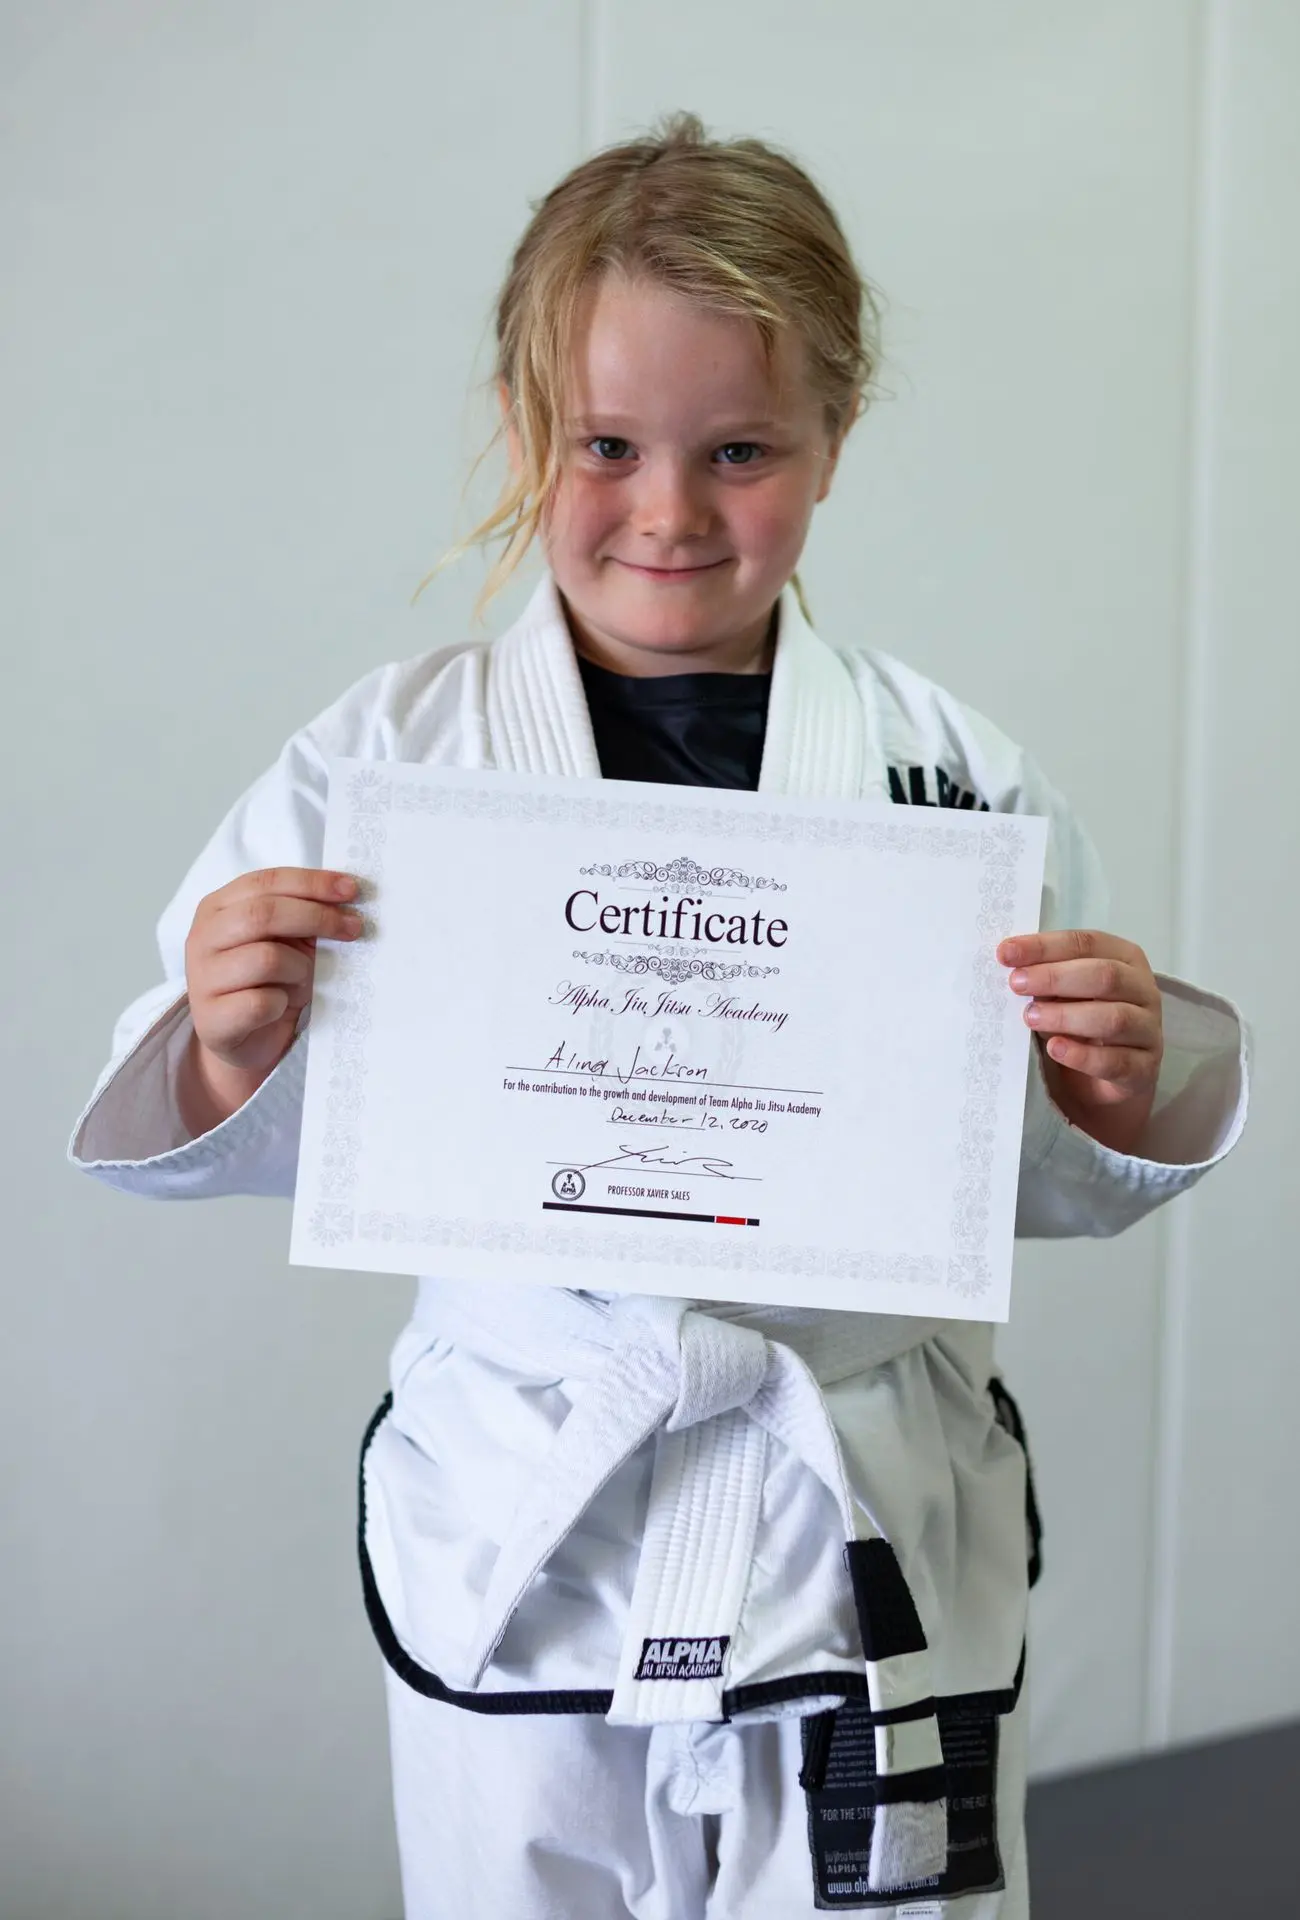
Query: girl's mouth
point(671, 573)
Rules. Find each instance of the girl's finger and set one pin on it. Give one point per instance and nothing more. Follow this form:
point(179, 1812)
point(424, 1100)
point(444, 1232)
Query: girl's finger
point(270, 916)
point(1132, 1068)
point(299, 883)
point(232, 1017)
point(1087, 980)
point(1072, 943)
point(261, 963)
point(1115, 1022)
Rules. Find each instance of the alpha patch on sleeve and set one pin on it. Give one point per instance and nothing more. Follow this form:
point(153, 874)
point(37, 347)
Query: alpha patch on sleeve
point(842, 1809)
point(699, 1659)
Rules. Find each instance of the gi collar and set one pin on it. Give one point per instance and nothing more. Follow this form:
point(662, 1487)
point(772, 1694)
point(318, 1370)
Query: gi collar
point(817, 744)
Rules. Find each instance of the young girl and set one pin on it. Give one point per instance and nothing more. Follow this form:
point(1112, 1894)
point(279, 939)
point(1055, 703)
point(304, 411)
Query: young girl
point(633, 1668)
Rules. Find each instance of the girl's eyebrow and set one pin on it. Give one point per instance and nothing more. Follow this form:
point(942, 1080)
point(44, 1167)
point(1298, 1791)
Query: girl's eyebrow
point(723, 430)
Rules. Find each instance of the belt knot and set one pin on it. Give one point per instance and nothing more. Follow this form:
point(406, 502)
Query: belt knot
point(717, 1365)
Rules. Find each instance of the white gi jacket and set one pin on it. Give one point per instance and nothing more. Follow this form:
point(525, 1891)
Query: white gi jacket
point(563, 1480)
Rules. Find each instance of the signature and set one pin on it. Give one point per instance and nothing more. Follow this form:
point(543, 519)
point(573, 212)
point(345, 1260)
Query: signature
point(695, 1165)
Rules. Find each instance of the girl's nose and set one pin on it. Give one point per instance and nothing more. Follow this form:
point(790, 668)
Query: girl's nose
point(670, 503)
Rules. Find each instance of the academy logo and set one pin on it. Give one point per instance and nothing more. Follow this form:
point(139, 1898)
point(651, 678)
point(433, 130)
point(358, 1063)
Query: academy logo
point(917, 792)
point(700, 1659)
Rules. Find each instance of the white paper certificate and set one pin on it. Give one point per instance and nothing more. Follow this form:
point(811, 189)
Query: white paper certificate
point(669, 1040)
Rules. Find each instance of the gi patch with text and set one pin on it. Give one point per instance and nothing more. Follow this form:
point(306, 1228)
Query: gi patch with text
point(698, 1659)
point(842, 1807)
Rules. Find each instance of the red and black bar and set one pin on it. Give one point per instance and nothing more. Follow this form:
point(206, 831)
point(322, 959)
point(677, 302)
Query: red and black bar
point(650, 1213)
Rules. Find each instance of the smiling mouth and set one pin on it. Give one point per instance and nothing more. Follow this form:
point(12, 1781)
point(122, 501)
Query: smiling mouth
point(670, 573)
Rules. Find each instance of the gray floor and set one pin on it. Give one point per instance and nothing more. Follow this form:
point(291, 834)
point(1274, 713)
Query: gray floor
point(1210, 1833)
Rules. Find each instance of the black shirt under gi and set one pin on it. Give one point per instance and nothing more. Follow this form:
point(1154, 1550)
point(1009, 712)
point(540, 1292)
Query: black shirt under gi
point(688, 729)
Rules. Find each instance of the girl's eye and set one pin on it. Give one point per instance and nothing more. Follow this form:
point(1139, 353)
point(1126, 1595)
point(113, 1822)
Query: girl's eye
point(608, 446)
point(739, 453)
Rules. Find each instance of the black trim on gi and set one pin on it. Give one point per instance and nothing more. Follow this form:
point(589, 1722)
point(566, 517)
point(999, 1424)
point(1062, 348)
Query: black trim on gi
point(743, 1699)
point(1009, 1419)
point(817, 1729)
point(556, 1700)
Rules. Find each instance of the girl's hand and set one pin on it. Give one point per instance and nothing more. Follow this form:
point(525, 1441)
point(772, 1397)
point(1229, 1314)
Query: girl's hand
point(248, 969)
point(1096, 1007)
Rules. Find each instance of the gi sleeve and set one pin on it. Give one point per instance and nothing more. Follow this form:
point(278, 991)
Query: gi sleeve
point(131, 1134)
point(1069, 1183)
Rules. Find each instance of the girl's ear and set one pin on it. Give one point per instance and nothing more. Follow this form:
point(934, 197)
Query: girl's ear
point(833, 452)
point(513, 448)
point(829, 464)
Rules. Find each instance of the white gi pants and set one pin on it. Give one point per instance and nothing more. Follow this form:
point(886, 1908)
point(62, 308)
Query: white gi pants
point(564, 1817)
point(668, 1806)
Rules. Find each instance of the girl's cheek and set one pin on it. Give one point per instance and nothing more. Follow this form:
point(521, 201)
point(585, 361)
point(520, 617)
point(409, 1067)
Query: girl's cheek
point(593, 518)
point(568, 518)
point(775, 518)
point(577, 503)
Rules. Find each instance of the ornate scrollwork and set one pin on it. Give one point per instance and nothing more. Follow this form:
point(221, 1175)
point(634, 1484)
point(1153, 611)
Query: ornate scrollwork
point(685, 872)
point(675, 968)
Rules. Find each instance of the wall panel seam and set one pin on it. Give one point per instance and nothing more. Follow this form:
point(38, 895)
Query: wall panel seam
point(1190, 841)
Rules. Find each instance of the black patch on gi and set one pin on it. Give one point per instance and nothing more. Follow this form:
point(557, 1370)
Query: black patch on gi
point(921, 781)
point(842, 1811)
point(887, 1618)
point(670, 1659)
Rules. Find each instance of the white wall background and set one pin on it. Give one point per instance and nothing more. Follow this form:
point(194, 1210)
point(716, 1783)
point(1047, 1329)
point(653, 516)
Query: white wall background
point(250, 251)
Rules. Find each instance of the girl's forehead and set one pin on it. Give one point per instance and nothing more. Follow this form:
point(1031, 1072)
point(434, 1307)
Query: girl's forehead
point(639, 347)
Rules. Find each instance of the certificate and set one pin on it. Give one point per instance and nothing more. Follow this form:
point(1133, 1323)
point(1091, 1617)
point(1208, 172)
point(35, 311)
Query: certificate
point(651, 1039)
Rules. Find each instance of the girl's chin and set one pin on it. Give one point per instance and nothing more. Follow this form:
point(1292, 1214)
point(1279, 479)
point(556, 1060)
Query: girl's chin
point(660, 634)
point(627, 648)
point(653, 623)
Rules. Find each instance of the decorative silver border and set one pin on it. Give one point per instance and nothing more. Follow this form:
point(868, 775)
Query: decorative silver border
point(334, 1220)
point(686, 872)
point(968, 1267)
point(673, 967)
point(635, 816)
point(351, 992)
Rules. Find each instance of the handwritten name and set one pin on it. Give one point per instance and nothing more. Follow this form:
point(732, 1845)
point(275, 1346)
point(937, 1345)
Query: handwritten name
point(605, 1067)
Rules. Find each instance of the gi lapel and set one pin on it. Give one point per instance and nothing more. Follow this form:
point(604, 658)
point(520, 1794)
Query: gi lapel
point(817, 745)
point(536, 709)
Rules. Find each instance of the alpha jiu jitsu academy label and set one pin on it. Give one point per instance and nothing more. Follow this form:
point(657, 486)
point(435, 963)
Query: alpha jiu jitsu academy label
point(699, 1659)
point(669, 1040)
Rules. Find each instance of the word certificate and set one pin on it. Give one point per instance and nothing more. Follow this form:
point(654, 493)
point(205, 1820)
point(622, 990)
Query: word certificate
point(651, 1039)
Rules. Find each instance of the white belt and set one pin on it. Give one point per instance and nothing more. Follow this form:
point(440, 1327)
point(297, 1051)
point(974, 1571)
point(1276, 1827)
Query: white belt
point(709, 1389)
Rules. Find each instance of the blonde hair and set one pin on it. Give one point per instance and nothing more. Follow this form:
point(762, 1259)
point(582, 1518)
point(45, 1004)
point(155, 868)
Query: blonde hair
point(736, 225)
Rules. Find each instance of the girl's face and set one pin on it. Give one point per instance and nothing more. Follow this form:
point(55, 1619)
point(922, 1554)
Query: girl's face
point(690, 471)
